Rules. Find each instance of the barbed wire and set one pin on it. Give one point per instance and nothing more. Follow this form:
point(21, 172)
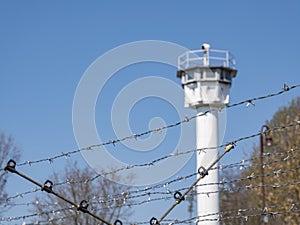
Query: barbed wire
point(251, 100)
point(72, 208)
point(274, 173)
point(152, 163)
point(252, 176)
point(48, 187)
point(22, 217)
point(169, 196)
point(240, 213)
point(240, 164)
point(156, 130)
point(180, 197)
point(20, 195)
point(254, 135)
point(203, 172)
point(194, 220)
point(51, 220)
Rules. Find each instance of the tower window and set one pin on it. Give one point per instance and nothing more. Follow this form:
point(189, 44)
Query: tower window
point(189, 76)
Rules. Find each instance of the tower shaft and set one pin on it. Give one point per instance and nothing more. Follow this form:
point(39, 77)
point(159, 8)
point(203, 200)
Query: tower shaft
point(207, 130)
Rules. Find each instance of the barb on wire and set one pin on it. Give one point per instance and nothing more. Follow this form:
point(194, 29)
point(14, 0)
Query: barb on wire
point(48, 187)
point(135, 136)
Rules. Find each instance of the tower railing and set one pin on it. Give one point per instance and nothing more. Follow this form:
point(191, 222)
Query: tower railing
point(206, 58)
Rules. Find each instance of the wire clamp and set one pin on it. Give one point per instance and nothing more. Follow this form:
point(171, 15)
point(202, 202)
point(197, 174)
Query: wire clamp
point(178, 197)
point(83, 206)
point(48, 186)
point(154, 221)
point(229, 146)
point(118, 222)
point(11, 166)
point(202, 171)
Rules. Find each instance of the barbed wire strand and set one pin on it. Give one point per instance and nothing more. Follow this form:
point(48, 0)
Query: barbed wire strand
point(14, 218)
point(250, 101)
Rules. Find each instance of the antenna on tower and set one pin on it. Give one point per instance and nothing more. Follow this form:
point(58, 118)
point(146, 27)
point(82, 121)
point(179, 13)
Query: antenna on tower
point(205, 48)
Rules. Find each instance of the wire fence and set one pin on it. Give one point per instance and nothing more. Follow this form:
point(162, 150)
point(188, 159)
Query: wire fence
point(178, 179)
point(98, 204)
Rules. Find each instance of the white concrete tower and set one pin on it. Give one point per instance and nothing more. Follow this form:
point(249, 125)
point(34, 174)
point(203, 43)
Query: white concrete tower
point(206, 77)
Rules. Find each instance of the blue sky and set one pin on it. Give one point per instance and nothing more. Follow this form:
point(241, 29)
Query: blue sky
point(45, 48)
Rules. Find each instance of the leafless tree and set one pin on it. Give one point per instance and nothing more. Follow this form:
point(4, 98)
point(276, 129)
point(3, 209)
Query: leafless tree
point(106, 199)
point(8, 150)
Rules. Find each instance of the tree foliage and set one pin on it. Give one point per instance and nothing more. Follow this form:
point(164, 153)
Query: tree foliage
point(281, 177)
point(106, 199)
